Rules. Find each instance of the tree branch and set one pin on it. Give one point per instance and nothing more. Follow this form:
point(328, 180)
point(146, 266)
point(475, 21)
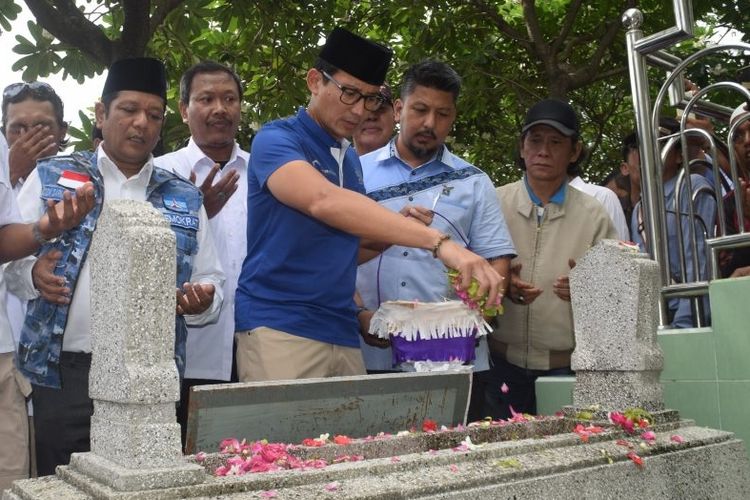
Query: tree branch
point(575, 43)
point(161, 11)
point(68, 24)
point(541, 48)
point(136, 30)
point(604, 75)
point(584, 74)
point(601, 123)
point(567, 24)
point(502, 25)
point(527, 90)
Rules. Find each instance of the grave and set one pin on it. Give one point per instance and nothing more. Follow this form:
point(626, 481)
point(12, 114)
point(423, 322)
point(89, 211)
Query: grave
point(289, 411)
point(135, 442)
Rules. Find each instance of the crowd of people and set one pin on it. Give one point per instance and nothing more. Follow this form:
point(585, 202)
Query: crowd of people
point(284, 252)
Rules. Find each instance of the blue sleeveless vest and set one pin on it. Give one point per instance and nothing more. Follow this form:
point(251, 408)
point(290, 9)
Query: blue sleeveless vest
point(42, 333)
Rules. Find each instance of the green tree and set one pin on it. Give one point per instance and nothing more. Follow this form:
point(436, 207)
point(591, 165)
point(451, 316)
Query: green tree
point(509, 52)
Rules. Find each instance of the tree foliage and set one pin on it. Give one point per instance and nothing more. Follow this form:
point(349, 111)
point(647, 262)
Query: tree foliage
point(510, 53)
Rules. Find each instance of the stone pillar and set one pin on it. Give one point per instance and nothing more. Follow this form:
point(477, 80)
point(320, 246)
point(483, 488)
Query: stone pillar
point(135, 439)
point(615, 296)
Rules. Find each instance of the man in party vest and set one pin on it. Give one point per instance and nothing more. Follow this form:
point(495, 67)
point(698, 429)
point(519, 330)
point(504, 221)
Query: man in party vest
point(55, 345)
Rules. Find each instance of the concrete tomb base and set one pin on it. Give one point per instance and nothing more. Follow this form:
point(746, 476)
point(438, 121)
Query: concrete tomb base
point(619, 389)
point(502, 462)
point(135, 442)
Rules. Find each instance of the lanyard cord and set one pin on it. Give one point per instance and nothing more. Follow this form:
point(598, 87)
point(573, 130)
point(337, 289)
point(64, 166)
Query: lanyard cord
point(380, 258)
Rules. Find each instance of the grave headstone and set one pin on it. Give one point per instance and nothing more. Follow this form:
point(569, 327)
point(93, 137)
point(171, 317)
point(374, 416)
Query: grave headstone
point(133, 380)
point(614, 292)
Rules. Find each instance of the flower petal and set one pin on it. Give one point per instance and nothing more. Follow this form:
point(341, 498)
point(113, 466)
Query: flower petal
point(333, 486)
point(429, 425)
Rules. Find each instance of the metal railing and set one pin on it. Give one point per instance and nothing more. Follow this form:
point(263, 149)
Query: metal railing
point(651, 50)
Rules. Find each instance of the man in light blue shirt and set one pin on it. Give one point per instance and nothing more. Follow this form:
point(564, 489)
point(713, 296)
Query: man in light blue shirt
point(704, 224)
point(416, 169)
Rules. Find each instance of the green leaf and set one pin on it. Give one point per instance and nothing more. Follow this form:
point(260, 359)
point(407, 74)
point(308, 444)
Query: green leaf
point(9, 11)
point(271, 44)
point(584, 415)
point(509, 463)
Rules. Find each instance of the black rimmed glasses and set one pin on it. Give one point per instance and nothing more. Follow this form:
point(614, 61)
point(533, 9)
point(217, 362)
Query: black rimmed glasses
point(349, 96)
point(15, 89)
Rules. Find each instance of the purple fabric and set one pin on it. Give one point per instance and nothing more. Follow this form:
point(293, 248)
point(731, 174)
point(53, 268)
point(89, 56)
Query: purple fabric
point(459, 348)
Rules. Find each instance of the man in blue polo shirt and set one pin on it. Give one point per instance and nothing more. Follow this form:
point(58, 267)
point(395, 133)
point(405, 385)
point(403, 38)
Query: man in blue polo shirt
point(416, 168)
point(294, 309)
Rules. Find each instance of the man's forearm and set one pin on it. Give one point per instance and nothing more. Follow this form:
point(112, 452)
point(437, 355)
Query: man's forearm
point(300, 186)
point(17, 241)
point(356, 214)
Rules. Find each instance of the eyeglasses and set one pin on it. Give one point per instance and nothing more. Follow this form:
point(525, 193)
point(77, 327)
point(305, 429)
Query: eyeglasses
point(15, 89)
point(349, 96)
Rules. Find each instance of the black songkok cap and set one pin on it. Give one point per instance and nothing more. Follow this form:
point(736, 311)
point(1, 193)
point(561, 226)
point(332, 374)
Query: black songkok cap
point(361, 58)
point(557, 114)
point(142, 74)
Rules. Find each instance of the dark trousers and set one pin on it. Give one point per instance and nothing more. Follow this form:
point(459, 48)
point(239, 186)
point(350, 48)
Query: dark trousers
point(184, 403)
point(62, 417)
point(521, 393)
point(477, 405)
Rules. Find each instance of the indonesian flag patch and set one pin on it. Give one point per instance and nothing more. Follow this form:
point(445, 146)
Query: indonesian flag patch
point(72, 180)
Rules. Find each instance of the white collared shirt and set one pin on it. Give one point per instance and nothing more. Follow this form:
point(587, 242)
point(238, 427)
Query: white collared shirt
point(15, 306)
point(209, 348)
point(77, 337)
point(8, 215)
point(609, 200)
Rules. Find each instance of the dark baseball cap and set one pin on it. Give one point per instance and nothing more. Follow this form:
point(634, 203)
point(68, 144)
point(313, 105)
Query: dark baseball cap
point(555, 113)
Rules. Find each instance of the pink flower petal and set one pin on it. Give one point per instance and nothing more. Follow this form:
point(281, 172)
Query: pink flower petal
point(649, 436)
point(332, 486)
point(677, 439)
point(269, 494)
point(200, 456)
point(504, 388)
point(454, 468)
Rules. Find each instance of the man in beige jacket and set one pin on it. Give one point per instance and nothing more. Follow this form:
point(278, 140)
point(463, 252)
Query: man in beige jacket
point(551, 226)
